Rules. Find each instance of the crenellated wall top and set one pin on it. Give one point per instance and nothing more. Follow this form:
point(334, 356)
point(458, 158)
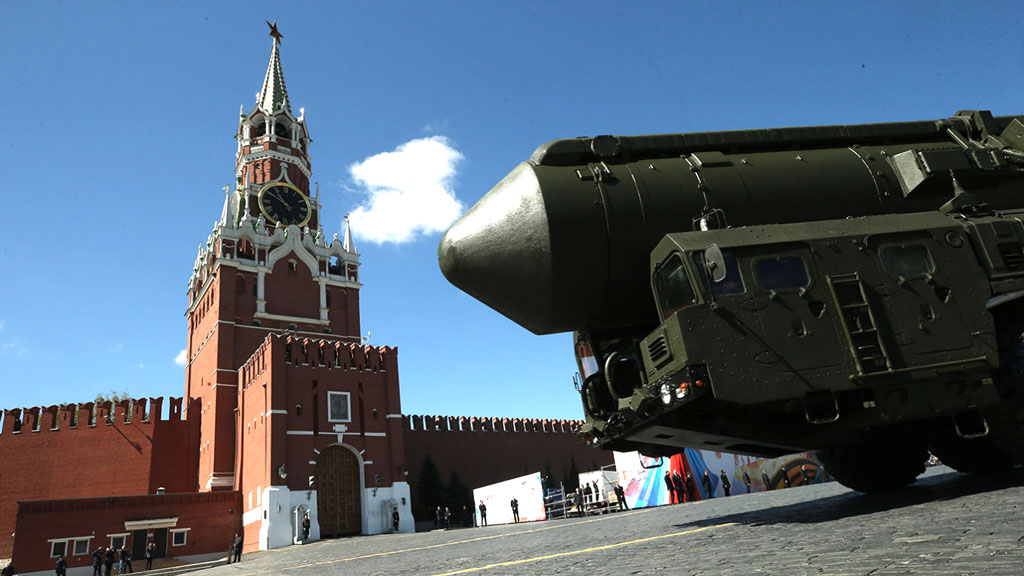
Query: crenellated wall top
point(138, 411)
point(419, 422)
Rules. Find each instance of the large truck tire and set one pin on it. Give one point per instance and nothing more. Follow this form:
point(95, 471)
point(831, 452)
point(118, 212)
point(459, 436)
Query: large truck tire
point(975, 456)
point(875, 466)
point(1006, 420)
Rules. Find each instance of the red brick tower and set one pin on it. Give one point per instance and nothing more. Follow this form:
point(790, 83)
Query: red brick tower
point(274, 353)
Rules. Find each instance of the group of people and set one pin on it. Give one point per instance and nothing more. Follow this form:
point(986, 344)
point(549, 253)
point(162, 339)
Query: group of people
point(103, 560)
point(685, 489)
point(591, 494)
point(682, 489)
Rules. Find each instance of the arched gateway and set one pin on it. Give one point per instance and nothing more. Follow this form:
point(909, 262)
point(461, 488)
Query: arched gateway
point(338, 492)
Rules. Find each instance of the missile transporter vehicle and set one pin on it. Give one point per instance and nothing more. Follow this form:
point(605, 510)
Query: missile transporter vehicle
point(855, 290)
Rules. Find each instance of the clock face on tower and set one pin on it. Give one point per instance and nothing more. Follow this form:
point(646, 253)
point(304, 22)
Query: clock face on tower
point(283, 203)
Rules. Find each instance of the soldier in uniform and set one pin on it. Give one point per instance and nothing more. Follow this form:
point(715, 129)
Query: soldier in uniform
point(764, 478)
point(746, 480)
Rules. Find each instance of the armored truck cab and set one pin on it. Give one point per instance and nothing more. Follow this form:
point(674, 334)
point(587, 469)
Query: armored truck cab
point(850, 289)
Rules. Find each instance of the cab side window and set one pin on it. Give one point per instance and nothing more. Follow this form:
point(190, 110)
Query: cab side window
point(906, 260)
point(673, 286)
point(783, 273)
point(733, 282)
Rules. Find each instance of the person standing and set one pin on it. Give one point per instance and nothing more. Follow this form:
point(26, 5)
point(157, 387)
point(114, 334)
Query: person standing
point(438, 518)
point(108, 561)
point(705, 482)
point(236, 548)
point(515, 509)
point(483, 513)
point(785, 478)
point(447, 518)
point(691, 488)
point(62, 566)
point(305, 527)
point(97, 562)
point(126, 560)
point(394, 517)
point(150, 553)
point(765, 480)
point(620, 495)
point(677, 482)
point(805, 475)
point(746, 480)
point(671, 487)
point(726, 485)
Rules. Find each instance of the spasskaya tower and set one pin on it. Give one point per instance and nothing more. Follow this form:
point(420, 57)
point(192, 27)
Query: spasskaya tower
point(273, 302)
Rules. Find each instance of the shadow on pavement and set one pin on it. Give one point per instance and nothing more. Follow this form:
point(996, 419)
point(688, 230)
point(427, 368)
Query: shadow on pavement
point(942, 487)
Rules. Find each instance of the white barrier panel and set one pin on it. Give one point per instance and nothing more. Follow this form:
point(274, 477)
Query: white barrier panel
point(527, 490)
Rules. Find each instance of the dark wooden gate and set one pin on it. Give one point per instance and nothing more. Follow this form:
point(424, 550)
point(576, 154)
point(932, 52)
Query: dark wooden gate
point(338, 492)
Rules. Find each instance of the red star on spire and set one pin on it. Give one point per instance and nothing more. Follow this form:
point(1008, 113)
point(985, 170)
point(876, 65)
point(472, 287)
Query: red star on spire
point(273, 31)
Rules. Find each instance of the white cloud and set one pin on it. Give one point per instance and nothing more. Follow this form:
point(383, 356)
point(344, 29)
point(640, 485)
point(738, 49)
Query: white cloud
point(13, 348)
point(181, 358)
point(409, 191)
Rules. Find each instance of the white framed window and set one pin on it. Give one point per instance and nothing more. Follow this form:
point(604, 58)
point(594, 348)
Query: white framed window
point(117, 540)
point(339, 407)
point(179, 537)
point(81, 547)
point(58, 548)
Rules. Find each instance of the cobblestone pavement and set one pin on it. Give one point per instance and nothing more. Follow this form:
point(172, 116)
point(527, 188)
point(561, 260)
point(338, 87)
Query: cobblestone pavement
point(946, 523)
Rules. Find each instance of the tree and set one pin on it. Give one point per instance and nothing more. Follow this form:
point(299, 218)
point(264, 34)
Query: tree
point(429, 489)
point(574, 475)
point(112, 396)
point(457, 496)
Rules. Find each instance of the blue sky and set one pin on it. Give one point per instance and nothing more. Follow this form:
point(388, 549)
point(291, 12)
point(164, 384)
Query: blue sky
point(119, 120)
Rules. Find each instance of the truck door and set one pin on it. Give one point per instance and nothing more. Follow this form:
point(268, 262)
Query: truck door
point(799, 332)
point(919, 299)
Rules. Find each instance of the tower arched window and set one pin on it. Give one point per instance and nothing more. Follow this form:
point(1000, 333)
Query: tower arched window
point(281, 130)
point(259, 127)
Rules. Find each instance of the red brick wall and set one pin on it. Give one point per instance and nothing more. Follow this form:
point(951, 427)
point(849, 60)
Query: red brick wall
point(87, 461)
point(213, 520)
point(490, 450)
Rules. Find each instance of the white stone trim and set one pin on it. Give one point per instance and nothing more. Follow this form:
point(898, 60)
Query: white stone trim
point(272, 412)
point(393, 416)
point(376, 434)
point(132, 525)
point(295, 319)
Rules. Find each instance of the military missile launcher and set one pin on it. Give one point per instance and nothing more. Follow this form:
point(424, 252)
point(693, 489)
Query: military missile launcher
point(854, 290)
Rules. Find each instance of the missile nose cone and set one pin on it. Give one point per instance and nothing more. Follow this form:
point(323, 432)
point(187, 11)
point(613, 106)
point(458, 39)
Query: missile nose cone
point(499, 251)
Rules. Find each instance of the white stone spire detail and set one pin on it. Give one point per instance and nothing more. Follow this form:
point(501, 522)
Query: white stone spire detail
point(227, 214)
point(348, 245)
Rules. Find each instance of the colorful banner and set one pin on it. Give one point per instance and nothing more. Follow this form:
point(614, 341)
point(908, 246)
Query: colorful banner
point(681, 478)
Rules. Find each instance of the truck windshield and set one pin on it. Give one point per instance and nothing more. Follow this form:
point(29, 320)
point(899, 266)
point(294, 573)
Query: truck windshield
point(672, 286)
